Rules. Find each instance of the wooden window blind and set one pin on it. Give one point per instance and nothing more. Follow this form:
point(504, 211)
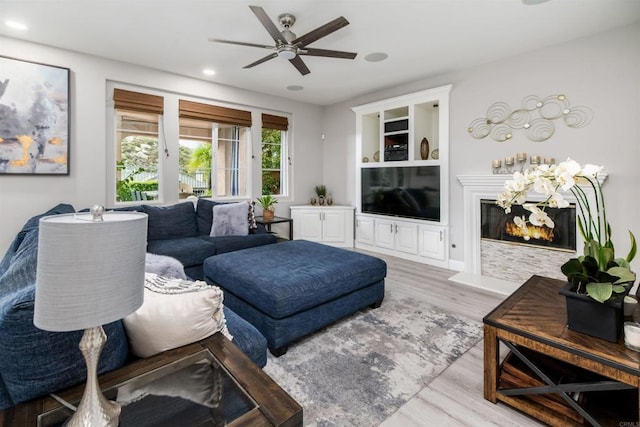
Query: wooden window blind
point(214, 113)
point(135, 101)
point(275, 122)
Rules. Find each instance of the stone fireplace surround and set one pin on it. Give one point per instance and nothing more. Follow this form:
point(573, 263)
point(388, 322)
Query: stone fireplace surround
point(485, 264)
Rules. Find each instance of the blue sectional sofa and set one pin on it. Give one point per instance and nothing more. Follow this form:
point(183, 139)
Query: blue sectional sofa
point(34, 362)
point(182, 232)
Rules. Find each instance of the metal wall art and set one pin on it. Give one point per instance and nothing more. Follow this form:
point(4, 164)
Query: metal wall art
point(536, 116)
point(34, 118)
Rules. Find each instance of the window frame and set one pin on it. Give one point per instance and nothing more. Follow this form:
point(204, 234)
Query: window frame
point(282, 122)
point(126, 99)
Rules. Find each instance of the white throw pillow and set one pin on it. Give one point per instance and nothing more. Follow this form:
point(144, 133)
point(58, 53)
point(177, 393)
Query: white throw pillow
point(230, 219)
point(175, 312)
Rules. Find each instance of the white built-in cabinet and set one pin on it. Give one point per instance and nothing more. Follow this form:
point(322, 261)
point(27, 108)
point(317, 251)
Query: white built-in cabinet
point(388, 135)
point(331, 225)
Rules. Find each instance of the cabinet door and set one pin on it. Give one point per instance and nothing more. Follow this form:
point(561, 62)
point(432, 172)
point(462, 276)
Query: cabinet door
point(384, 233)
point(432, 241)
point(364, 230)
point(333, 224)
point(406, 237)
point(308, 225)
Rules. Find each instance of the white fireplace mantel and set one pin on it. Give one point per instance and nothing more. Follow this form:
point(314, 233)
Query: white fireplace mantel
point(478, 187)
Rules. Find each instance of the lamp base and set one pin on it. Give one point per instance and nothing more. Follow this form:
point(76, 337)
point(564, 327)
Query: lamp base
point(94, 409)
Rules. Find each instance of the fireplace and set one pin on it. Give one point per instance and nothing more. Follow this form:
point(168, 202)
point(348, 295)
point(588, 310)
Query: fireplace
point(502, 266)
point(496, 225)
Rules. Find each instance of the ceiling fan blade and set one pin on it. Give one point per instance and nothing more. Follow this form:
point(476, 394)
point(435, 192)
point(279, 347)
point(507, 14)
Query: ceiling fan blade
point(260, 61)
point(328, 53)
point(321, 31)
point(300, 65)
point(241, 43)
point(268, 24)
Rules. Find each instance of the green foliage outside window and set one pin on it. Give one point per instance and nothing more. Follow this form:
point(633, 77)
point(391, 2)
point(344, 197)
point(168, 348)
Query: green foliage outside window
point(271, 158)
point(125, 187)
point(200, 158)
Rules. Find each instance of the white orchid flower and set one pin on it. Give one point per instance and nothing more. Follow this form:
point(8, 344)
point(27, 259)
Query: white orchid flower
point(544, 186)
point(566, 180)
point(521, 223)
point(591, 171)
point(539, 217)
point(557, 201)
point(569, 166)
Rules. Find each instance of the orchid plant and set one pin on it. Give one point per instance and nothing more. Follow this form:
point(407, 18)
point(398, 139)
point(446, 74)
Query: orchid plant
point(597, 272)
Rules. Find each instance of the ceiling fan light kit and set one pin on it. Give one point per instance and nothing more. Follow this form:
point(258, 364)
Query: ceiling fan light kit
point(288, 45)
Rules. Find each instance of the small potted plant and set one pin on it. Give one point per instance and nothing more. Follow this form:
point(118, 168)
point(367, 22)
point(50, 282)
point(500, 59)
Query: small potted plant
point(597, 276)
point(321, 192)
point(267, 201)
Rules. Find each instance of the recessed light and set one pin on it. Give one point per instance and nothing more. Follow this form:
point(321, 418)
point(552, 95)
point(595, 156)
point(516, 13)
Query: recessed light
point(376, 57)
point(15, 25)
point(295, 87)
point(208, 72)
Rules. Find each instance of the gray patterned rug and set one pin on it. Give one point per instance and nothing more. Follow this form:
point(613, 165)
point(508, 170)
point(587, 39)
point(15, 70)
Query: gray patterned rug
point(360, 370)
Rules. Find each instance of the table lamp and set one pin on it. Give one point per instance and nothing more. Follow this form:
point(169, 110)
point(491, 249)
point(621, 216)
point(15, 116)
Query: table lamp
point(90, 272)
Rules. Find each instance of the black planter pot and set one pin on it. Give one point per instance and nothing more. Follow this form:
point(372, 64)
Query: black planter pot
point(587, 316)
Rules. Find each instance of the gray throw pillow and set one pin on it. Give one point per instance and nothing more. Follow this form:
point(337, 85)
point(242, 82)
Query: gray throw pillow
point(230, 220)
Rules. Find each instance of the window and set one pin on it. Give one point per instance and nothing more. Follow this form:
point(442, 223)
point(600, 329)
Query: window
point(232, 160)
point(274, 154)
point(196, 140)
point(220, 154)
point(137, 150)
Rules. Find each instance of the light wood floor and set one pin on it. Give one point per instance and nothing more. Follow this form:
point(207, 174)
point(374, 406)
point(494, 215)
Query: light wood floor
point(454, 398)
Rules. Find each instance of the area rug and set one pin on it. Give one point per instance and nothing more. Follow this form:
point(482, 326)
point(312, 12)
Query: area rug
point(357, 372)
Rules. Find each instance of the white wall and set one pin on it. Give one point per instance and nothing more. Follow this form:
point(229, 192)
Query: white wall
point(601, 72)
point(24, 196)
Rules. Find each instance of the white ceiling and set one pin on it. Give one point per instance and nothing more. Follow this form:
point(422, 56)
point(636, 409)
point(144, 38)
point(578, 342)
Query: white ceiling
point(422, 37)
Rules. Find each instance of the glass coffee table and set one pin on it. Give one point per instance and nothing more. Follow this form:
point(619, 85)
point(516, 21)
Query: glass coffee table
point(210, 383)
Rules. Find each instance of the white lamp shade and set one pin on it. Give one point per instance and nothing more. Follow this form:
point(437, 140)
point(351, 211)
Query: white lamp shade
point(89, 273)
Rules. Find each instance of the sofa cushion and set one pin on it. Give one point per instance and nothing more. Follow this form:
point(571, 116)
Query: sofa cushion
point(204, 215)
point(230, 220)
point(188, 250)
point(226, 244)
point(175, 312)
point(171, 222)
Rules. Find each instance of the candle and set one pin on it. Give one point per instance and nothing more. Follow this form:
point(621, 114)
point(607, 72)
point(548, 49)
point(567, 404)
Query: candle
point(549, 161)
point(508, 161)
point(521, 157)
point(632, 335)
point(534, 160)
point(496, 164)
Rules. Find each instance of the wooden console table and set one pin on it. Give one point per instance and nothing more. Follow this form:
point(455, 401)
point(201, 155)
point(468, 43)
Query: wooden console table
point(533, 321)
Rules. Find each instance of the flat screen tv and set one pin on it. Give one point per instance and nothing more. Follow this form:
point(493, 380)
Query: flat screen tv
point(409, 191)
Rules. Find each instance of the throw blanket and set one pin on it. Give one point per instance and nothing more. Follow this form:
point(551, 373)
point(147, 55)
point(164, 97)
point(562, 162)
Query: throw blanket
point(164, 266)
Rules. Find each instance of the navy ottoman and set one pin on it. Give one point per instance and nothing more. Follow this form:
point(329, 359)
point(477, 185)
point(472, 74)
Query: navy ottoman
point(291, 289)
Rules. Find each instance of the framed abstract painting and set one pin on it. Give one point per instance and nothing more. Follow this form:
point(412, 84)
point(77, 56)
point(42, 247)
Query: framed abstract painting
point(34, 118)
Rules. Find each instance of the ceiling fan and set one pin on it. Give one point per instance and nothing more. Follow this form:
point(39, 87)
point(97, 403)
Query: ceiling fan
point(288, 45)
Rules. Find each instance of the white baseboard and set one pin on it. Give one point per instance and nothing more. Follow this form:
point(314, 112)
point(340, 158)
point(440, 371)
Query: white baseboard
point(456, 265)
point(492, 284)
